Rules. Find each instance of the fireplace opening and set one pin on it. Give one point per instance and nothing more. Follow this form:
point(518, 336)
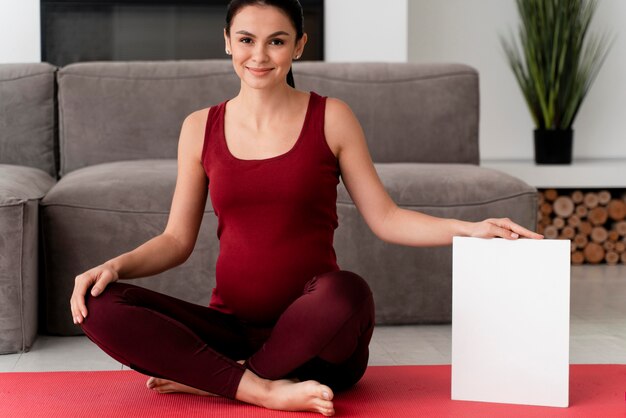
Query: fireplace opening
point(123, 30)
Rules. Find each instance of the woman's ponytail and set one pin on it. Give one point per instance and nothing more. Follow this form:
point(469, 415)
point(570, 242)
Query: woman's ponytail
point(290, 78)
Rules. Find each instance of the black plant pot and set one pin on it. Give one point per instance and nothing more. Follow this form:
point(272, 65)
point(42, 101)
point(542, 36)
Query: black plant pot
point(553, 146)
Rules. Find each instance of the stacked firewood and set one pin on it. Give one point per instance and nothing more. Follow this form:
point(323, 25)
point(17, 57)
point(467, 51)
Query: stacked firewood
point(594, 221)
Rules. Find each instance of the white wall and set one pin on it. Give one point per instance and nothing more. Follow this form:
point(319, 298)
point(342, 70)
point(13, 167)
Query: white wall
point(19, 31)
point(467, 31)
point(365, 30)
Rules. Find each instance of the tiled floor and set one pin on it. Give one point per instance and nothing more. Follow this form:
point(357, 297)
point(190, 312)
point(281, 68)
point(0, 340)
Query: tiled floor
point(597, 333)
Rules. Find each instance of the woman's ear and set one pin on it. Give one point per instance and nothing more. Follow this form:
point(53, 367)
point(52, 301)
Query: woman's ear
point(300, 46)
point(227, 47)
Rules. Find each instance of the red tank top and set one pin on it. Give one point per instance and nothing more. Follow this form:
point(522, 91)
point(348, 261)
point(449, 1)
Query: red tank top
point(276, 218)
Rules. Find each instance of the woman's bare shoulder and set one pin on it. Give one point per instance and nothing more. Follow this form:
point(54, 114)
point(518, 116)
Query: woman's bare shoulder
point(192, 132)
point(199, 115)
point(340, 124)
point(339, 117)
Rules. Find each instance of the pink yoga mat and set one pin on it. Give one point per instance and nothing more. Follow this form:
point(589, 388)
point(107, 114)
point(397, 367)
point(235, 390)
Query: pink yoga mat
point(384, 391)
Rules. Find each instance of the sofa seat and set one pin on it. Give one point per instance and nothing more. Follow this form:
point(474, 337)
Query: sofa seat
point(95, 213)
point(21, 188)
point(421, 290)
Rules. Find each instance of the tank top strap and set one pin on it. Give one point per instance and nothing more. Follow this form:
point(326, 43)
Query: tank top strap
point(315, 129)
point(214, 125)
point(316, 117)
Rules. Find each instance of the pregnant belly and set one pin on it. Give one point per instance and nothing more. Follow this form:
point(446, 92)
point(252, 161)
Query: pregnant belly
point(260, 291)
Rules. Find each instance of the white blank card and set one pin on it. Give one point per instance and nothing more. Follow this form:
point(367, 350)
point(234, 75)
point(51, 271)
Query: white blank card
point(510, 320)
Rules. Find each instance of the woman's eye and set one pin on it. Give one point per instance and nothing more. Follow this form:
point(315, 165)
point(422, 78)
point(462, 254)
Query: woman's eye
point(278, 41)
point(245, 40)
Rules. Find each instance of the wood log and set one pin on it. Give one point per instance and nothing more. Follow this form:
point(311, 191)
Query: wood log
point(620, 227)
point(613, 236)
point(585, 227)
point(594, 253)
point(599, 234)
point(546, 208)
point(577, 196)
point(550, 232)
point(540, 228)
point(577, 257)
point(581, 240)
point(572, 247)
point(623, 258)
point(545, 221)
point(573, 220)
point(550, 195)
point(604, 197)
point(608, 245)
point(598, 215)
point(591, 200)
point(558, 222)
point(568, 232)
point(539, 216)
point(620, 247)
point(611, 258)
point(582, 211)
point(540, 198)
point(617, 210)
point(563, 206)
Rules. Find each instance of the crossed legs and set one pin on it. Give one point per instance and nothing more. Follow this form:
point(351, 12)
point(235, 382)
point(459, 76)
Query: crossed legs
point(321, 340)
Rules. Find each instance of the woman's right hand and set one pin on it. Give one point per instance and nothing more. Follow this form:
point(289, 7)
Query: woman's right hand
point(97, 278)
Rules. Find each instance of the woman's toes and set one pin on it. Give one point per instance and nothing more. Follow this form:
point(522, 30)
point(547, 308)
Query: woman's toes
point(151, 383)
point(325, 407)
point(326, 393)
point(327, 411)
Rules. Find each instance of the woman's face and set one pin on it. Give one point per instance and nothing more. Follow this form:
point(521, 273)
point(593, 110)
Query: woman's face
point(263, 45)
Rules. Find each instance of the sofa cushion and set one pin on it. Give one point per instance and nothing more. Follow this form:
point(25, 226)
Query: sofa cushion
point(20, 191)
point(99, 212)
point(116, 111)
point(27, 115)
point(444, 185)
point(410, 112)
point(132, 186)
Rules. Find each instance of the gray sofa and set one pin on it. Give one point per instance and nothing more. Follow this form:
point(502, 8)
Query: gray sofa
point(118, 125)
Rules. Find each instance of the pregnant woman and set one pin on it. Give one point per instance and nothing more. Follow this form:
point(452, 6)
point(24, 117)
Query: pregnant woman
point(286, 328)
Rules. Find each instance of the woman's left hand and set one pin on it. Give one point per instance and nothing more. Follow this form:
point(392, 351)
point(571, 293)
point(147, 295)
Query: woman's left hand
point(501, 227)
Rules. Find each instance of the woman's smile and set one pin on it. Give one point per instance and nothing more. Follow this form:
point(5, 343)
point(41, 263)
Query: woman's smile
point(259, 71)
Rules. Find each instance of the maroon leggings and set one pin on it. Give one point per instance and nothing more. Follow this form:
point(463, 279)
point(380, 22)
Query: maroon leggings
point(323, 335)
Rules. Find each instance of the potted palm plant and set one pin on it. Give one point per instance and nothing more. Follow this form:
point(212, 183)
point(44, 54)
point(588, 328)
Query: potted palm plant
point(555, 67)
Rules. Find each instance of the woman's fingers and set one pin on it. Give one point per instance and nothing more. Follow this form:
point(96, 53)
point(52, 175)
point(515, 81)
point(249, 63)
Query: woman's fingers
point(523, 232)
point(98, 279)
point(511, 230)
point(79, 310)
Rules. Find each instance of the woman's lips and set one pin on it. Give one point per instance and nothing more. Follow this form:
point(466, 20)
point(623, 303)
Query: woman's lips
point(259, 71)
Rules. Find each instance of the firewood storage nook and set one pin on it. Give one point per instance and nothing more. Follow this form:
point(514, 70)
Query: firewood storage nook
point(593, 219)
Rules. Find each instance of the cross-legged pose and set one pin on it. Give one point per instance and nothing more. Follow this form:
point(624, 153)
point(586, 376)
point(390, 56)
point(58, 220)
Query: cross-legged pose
point(286, 328)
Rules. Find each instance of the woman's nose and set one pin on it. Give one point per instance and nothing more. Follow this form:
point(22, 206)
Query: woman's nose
point(259, 54)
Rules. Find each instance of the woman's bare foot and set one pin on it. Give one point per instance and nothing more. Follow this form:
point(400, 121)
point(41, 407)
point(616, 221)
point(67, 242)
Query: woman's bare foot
point(292, 395)
point(286, 394)
point(169, 386)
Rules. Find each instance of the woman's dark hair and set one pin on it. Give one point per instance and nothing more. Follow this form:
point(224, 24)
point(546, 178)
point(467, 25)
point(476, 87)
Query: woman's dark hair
point(292, 8)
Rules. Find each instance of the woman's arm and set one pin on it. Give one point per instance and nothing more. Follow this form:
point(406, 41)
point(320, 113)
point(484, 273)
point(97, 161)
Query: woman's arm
point(388, 221)
point(176, 243)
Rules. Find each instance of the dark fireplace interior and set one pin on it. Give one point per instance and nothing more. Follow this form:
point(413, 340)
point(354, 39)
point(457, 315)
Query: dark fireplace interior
point(121, 30)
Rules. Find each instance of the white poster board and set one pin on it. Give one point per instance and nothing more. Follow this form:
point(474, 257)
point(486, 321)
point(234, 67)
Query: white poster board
point(510, 320)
